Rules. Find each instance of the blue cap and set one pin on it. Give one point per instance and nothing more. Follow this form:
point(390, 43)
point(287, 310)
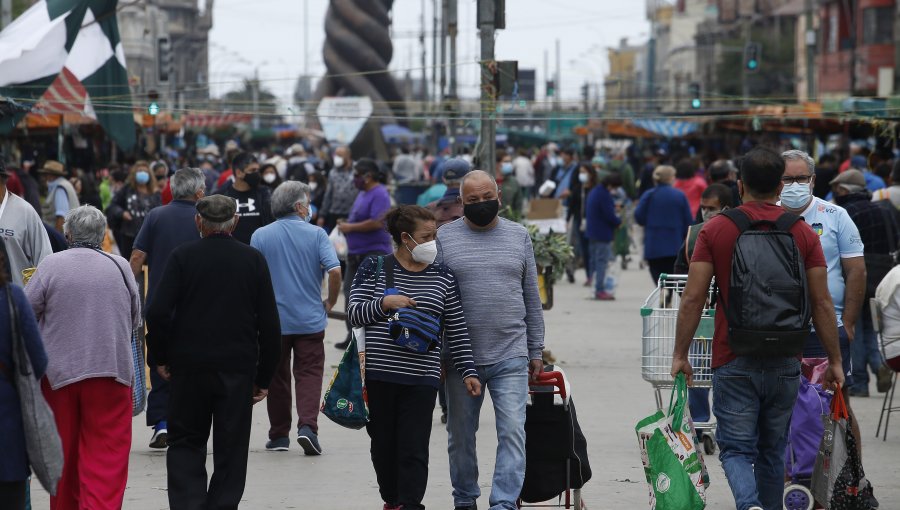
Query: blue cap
point(454, 169)
point(449, 196)
point(858, 162)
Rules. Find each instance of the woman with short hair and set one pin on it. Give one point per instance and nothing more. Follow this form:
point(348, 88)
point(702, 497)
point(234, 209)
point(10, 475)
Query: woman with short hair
point(87, 305)
point(402, 383)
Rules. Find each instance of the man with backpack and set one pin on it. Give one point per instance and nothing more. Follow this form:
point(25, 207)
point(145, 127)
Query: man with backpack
point(771, 278)
point(879, 231)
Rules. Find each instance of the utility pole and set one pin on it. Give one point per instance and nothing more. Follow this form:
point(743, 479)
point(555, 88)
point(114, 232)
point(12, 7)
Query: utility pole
point(424, 58)
point(810, 53)
point(745, 84)
point(487, 149)
point(5, 13)
point(546, 73)
point(255, 92)
point(444, 9)
point(452, 28)
point(558, 81)
point(434, 50)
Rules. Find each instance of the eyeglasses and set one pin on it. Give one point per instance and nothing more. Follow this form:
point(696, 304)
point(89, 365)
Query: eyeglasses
point(800, 179)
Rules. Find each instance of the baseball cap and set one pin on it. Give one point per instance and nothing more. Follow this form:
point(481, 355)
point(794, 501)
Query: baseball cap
point(454, 169)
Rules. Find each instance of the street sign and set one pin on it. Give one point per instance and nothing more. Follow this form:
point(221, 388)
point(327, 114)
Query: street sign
point(343, 117)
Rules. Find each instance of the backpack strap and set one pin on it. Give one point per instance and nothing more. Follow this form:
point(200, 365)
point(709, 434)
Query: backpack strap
point(388, 271)
point(786, 221)
point(739, 218)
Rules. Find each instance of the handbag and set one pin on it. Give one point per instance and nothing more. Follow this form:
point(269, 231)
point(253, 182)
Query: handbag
point(345, 401)
point(417, 330)
point(139, 384)
point(42, 441)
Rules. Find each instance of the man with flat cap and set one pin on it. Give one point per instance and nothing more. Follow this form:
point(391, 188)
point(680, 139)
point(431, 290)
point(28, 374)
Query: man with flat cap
point(217, 340)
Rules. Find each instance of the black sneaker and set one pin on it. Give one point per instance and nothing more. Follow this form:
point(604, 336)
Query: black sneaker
point(280, 444)
point(885, 378)
point(309, 441)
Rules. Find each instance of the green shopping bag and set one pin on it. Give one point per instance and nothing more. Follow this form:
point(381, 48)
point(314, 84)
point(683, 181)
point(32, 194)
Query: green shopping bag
point(673, 466)
point(345, 401)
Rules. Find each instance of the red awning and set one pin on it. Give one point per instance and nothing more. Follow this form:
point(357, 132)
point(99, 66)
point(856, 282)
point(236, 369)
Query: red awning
point(201, 120)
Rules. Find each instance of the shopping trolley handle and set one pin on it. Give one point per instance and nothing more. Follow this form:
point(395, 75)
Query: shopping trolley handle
point(554, 379)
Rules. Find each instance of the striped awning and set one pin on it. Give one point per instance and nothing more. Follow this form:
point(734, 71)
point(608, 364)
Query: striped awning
point(66, 95)
point(667, 128)
point(200, 120)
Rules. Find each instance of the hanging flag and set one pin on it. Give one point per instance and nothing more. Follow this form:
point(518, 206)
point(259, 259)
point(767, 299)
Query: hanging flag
point(65, 56)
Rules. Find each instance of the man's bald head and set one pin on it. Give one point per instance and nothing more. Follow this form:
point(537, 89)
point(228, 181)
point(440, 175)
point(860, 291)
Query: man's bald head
point(478, 184)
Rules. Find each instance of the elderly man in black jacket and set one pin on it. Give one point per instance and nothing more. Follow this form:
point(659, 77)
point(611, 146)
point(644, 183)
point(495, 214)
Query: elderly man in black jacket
point(214, 332)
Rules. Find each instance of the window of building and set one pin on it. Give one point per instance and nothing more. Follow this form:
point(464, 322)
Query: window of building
point(878, 25)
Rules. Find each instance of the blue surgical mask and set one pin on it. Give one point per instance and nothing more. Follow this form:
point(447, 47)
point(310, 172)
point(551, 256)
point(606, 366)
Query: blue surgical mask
point(142, 177)
point(796, 195)
point(506, 168)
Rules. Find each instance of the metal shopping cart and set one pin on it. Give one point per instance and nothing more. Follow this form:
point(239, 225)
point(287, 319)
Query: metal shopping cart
point(659, 314)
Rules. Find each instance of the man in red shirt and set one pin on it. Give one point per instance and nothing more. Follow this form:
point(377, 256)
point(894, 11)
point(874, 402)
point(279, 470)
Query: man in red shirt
point(753, 397)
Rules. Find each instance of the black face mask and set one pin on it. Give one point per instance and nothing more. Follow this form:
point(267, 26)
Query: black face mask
point(252, 179)
point(482, 213)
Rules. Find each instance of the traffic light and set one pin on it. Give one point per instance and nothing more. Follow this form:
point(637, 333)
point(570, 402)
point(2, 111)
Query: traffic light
point(153, 106)
point(163, 59)
point(696, 101)
point(551, 88)
point(752, 53)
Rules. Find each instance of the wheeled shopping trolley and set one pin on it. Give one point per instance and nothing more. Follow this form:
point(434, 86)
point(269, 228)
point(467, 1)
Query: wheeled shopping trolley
point(659, 314)
point(556, 465)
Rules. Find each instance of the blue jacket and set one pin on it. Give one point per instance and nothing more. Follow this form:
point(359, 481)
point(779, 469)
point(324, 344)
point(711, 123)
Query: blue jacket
point(666, 216)
point(14, 461)
point(600, 215)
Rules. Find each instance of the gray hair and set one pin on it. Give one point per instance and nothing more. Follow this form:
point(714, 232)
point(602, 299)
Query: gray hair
point(796, 155)
point(287, 195)
point(212, 226)
point(85, 224)
point(187, 182)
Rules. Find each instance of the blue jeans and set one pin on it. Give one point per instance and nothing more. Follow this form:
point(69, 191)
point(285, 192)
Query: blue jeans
point(600, 254)
point(753, 400)
point(508, 383)
point(864, 351)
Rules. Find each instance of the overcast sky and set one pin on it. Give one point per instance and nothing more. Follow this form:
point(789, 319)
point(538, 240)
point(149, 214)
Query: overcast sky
point(269, 34)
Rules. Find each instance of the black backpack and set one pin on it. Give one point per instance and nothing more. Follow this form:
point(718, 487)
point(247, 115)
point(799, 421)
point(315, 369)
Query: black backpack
point(768, 308)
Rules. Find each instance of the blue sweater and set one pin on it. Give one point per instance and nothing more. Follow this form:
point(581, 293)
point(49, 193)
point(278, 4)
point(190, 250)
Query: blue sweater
point(666, 216)
point(13, 460)
point(601, 215)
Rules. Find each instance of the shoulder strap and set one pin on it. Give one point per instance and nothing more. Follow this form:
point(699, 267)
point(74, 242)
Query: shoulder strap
point(786, 221)
point(388, 271)
point(121, 271)
point(739, 218)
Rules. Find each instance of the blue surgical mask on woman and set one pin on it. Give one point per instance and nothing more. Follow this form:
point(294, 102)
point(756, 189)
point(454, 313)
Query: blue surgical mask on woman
point(506, 168)
point(796, 195)
point(142, 177)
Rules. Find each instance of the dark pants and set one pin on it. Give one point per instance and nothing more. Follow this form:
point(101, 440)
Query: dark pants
point(309, 363)
point(400, 429)
point(12, 495)
point(201, 399)
point(353, 263)
point(158, 398)
point(125, 243)
point(660, 266)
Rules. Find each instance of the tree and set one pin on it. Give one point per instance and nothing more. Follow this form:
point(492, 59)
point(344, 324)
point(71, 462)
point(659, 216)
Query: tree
point(241, 101)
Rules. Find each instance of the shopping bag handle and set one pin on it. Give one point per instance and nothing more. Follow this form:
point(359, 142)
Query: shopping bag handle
point(679, 389)
point(838, 405)
point(554, 379)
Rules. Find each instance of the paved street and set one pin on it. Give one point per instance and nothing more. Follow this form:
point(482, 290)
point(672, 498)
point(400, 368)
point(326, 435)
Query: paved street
point(597, 343)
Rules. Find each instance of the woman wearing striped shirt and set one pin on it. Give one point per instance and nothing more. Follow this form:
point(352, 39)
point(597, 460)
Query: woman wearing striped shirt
point(402, 384)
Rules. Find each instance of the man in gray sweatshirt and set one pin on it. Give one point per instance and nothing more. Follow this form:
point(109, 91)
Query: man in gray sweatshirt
point(494, 263)
point(24, 239)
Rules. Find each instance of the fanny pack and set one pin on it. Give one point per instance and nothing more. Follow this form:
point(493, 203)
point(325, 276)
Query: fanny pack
point(416, 330)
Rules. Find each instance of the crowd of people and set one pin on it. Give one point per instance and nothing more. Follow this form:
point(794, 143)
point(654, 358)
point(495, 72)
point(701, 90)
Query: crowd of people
point(251, 233)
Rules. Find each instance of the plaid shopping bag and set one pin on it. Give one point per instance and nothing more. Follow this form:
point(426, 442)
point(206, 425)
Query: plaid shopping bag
point(139, 386)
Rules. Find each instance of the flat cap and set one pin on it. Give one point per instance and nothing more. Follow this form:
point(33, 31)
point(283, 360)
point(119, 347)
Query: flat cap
point(217, 208)
point(852, 177)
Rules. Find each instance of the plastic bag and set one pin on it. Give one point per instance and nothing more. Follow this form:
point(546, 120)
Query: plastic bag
point(345, 400)
point(339, 242)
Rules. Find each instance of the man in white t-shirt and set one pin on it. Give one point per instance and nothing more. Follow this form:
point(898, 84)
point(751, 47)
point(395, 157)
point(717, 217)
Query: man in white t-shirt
point(843, 248)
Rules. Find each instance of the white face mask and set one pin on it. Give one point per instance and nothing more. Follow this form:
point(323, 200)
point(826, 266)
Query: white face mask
point(584, 178)
point(338, 162)
point(424, 253)
point(313, 185)
point(269, 178)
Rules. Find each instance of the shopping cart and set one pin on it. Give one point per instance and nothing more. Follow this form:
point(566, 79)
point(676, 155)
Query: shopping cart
point(660, 313)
